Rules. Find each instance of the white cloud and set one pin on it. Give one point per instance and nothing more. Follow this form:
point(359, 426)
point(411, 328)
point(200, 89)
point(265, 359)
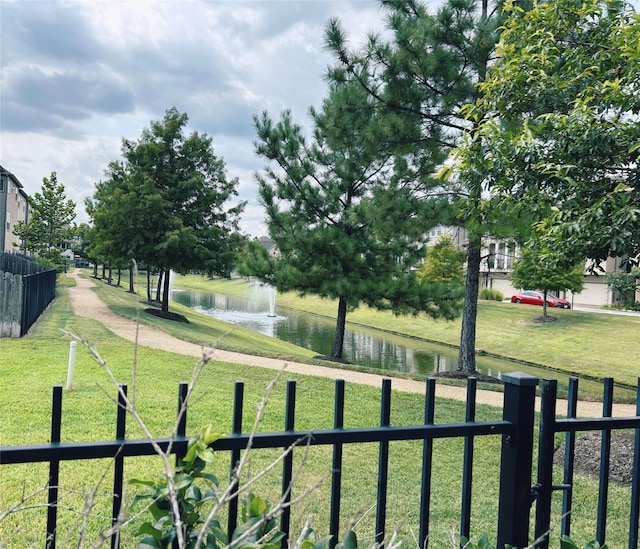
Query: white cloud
point(77, 77)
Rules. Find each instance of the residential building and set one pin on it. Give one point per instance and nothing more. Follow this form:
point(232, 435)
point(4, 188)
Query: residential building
point(498, 257)
point(14, 207)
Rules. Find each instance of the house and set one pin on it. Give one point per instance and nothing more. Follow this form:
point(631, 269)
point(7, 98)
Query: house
point(498, 257)
point(14, 207)
point(269, 245)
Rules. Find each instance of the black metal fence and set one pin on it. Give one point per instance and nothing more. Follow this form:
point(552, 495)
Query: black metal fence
point(516, 491)
point(38, 291)
point(26, 289)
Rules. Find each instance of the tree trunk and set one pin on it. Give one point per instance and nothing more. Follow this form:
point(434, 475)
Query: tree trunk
point(159, 287)
point(110, 279)
point(119, 277)
point(338, 340)
point(104, 271)
point(95, 270)
point(149, 285)
point(165, 291)
point(467, 355)
point(544, 304)
point(131, 283)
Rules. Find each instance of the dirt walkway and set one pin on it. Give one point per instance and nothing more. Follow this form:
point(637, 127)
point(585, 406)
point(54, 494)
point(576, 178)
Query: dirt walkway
point(86, 303)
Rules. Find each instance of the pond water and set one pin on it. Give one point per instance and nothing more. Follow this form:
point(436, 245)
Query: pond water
point(363, 346)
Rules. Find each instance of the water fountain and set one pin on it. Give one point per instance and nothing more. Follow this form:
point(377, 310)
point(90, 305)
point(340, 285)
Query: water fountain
point(271, 294)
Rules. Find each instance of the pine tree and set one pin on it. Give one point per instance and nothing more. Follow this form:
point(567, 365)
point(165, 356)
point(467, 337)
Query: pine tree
point(427, 70)
point(346, 211)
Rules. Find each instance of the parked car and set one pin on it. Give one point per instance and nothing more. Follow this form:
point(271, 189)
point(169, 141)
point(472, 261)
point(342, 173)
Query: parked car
point(534, 297)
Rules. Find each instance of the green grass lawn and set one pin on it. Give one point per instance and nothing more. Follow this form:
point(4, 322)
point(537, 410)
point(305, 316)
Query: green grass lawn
point(31, 365)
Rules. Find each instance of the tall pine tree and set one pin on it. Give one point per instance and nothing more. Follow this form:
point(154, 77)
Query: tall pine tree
point(427, 68)
point(347, 211)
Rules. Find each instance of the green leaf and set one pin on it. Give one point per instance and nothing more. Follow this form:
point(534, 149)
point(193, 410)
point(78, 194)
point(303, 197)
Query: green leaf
point(205, 454)
point(212, 437)
point(149, 543)
point(567, 543)
point(322, 543)
point(150, 483)
point(257, 506)
point(182, 480)
point(211, 478)
point(349, 541)
point(148, 529)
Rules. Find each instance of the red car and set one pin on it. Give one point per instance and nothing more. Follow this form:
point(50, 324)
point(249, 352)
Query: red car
point(531, 297)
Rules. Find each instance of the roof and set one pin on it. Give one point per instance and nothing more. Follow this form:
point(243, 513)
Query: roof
point(13, 178)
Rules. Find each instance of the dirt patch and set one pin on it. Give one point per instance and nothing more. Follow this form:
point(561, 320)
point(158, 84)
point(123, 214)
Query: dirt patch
point(167, 315)
point(587, 456)
point(543, 319)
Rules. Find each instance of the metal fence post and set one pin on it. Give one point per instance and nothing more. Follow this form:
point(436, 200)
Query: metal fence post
point(545, 462)
point(516, 460)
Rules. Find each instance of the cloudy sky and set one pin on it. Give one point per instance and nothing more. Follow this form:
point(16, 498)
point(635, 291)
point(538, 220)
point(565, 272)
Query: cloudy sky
point(78, 76)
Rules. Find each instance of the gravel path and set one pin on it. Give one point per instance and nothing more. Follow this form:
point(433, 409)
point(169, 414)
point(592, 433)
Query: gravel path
point(86, 303)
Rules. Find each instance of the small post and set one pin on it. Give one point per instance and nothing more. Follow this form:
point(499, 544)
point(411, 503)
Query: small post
point(72, 359)
point(516, 460)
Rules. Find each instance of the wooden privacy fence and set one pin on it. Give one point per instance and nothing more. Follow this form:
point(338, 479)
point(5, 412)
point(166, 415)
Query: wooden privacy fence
point(517, 492)
point(26, 289)
point(10, 304)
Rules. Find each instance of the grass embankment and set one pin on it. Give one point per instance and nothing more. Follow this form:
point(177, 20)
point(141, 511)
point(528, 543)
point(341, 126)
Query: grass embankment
point(30, 366)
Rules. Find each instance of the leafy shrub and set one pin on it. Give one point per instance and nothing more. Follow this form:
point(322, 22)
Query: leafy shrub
point(197, 499)
point(194, 490)
point(491, 294)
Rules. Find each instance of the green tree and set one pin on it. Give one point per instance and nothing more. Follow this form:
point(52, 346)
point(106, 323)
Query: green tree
point(562, 128)
point(346, 212)
point(444, 262)
point(625, 285)
point(50, 224)
point(253, 260)
point(166, 205)
point(427, 70)
point(532, 270)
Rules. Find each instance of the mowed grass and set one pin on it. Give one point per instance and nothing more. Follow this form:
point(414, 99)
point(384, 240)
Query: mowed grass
point(579, 343)
point(30, 366)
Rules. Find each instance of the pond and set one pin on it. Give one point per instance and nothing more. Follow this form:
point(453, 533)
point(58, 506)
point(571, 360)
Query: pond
point(363, 346)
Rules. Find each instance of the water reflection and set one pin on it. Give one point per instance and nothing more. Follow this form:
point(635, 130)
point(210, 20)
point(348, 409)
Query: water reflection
point(362, 346)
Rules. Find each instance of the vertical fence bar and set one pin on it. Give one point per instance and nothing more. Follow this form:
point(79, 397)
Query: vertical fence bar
point(287, 466)
point(634, 512)
point(383, 463)
point(605, 465)
point(569, 453)
point(427, 459)
point(181, 427)
point(545, 461)
point(24, 316)
point(118, 466)
point(336, 469)
point(467, 460)
point(236, 428)
point(54, 468)
point(516, 459)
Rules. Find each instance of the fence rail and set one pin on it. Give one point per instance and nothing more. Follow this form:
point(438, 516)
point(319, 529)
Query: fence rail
point(516, 429)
